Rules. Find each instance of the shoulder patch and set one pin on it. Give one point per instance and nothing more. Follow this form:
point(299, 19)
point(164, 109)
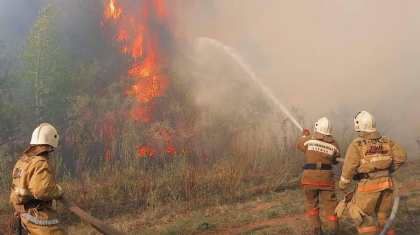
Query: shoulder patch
point(320, 146)
point(17, 173)
point(25, 158)
point(377, 150)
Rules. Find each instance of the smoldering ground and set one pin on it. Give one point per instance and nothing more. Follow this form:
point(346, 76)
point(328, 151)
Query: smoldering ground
point(331, 59)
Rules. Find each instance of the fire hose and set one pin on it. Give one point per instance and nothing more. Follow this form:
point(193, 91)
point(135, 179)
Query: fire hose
point(395, 206)
point(94, 222)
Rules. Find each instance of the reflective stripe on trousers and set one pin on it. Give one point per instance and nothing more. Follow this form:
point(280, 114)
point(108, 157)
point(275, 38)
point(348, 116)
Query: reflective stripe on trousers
point(390, 232)
point(374, 187)
point(330, 217)
point(367, 229)
point(34, 220)
point(316, 212)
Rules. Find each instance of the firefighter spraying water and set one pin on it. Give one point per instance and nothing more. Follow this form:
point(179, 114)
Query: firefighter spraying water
point(321, 152)
point(370, 160)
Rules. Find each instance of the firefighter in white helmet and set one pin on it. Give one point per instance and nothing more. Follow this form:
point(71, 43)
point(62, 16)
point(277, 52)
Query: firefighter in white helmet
point(321, 151)
point(370, 159)
point(34, 186)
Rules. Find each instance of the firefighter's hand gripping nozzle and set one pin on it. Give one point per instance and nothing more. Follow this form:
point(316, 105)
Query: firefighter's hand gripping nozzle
point(306, 132)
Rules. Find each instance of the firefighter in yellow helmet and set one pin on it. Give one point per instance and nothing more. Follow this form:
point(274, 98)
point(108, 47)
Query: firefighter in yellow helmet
point(34, 186)
point(321, 151)
point(370, 159)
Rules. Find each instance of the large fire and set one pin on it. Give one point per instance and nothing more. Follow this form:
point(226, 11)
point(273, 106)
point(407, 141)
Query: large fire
point(137, 39)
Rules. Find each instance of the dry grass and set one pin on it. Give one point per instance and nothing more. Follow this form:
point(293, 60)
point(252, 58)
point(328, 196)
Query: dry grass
point(237, 195)
point(109, 193)
point(272, 212)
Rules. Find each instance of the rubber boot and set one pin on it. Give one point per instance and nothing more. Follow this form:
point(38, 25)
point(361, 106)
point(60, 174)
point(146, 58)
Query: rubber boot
point(318, 231)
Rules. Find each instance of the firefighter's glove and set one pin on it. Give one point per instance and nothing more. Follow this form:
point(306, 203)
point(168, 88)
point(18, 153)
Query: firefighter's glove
point(339, 210)
point(356, 213)
point(342, 185)
point(306, 132)
point(60, 191)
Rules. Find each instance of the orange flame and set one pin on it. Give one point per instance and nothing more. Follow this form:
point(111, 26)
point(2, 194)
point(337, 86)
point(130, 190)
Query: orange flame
point(108, 155)
point(139, 41)
point(146, 151)
point(160, 8)
point(170, 149)
point(122, 36)
point(112, 12)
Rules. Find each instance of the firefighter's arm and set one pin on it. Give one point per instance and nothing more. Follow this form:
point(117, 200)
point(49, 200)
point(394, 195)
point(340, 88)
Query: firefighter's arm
point(336, 154)
point(351, 163)
point(301, 143)
point(335, 162)
point(398, 155)
point(42, 183)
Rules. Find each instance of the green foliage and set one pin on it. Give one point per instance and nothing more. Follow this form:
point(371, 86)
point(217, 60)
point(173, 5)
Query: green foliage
point(12, 112)
point(46, 69)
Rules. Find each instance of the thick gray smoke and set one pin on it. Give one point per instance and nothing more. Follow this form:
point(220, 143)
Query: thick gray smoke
point(16, 17)
point(332, 58)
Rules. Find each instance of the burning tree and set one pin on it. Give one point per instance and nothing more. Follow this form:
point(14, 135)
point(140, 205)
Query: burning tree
point(142, 107)
point(135, 112)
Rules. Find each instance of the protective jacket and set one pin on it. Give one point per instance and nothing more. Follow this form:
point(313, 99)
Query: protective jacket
point(375, 155)
point(34, 187)
point(321, 150)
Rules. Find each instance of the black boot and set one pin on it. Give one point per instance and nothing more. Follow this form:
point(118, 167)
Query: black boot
point(318, 231)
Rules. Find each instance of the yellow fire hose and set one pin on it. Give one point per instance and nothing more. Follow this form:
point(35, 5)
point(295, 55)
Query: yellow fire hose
point(94, 222)
point(395, 206)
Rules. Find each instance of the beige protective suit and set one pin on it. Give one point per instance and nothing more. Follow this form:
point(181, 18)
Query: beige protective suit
point(33, 190)
point(321, 151)
point(374, 158)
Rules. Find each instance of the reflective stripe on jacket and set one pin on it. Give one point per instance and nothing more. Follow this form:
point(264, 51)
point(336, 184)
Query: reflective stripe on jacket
point(319, 149)
point(368, 153)
point(33, 179)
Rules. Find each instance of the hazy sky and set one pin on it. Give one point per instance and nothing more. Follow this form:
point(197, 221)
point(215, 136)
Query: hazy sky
point(321, 55)
point(16, 17)
point(326, 55)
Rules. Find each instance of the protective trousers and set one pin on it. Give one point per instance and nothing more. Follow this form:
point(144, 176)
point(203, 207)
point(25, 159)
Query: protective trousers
point(329, 199)
point(379, 203)
point(34, 229)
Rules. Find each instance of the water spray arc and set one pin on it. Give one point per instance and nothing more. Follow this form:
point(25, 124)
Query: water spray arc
point(238, 59)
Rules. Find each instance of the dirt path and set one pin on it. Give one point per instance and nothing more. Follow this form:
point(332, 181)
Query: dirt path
point(224, 229)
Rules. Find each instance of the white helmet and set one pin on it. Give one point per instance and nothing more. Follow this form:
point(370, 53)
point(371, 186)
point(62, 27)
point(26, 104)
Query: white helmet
point(45, 134)
point(364, 121)
point(323, 126)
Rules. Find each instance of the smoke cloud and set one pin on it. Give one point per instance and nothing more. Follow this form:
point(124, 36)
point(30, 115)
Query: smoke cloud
point(331, 58)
